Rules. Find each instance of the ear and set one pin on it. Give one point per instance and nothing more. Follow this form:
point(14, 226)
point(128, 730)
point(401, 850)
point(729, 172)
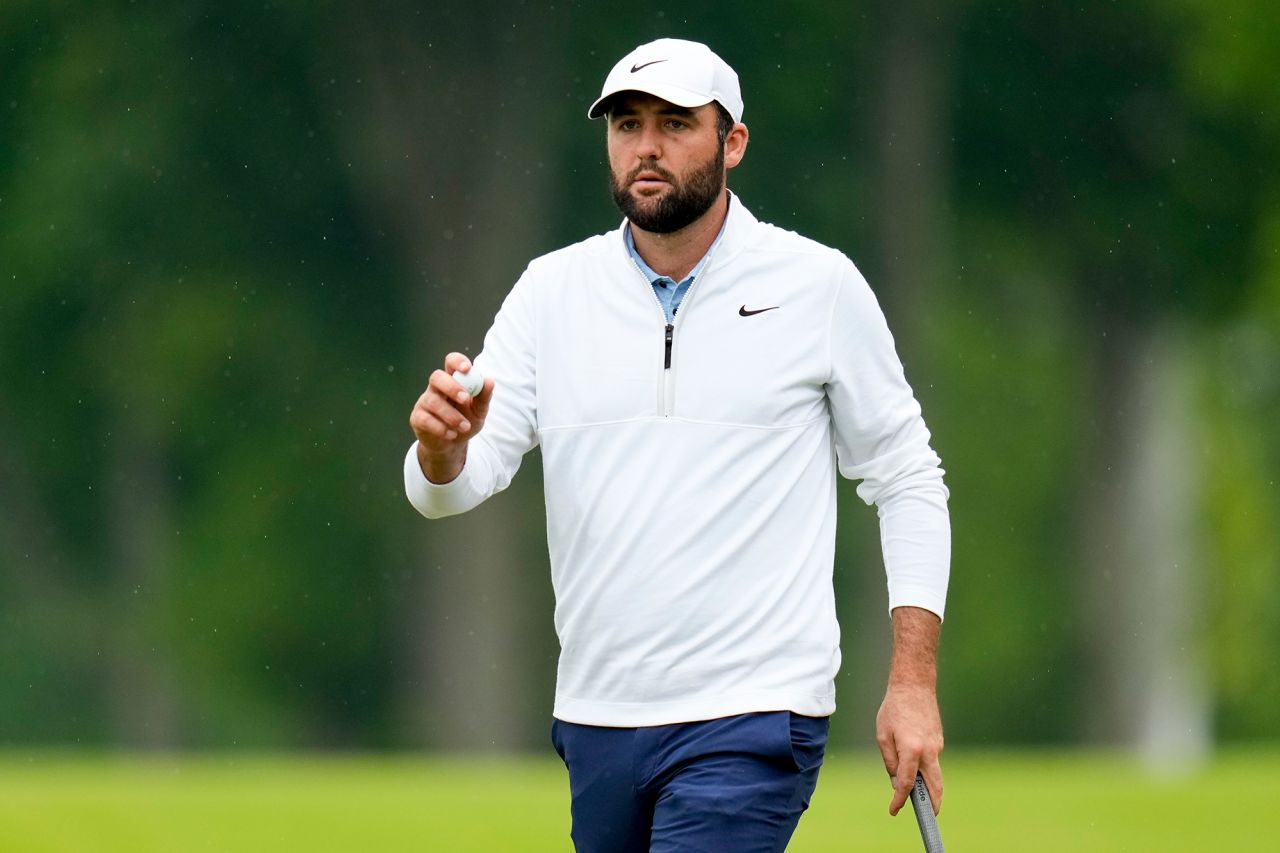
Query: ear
point(735, 145)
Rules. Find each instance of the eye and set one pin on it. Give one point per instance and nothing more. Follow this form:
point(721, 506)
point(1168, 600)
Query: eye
point(676, 124)
point(628, 124)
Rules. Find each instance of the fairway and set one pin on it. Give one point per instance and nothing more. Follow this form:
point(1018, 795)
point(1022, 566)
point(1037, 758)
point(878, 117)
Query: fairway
point(994, 802)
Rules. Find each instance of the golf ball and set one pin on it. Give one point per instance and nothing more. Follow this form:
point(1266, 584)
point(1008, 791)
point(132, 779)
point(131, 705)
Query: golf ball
point(472, 383)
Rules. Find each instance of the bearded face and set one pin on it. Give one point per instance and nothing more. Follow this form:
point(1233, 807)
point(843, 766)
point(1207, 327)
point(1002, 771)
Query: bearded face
point(686, 197)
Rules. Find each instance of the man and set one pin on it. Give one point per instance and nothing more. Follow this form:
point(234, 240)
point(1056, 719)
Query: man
point(695, 379)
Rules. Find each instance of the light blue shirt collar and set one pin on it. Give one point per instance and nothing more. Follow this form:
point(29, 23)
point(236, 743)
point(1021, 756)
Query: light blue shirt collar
point(670, 293)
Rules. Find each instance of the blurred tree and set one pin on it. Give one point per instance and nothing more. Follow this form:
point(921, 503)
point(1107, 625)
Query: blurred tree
point(175, 254)
point(902, 141)
point(439, 111)
point(1227, 67)
point(1076, 123)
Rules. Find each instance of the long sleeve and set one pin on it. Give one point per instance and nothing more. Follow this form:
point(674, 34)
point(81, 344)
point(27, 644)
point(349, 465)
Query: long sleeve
point(881, 439)
point(510, 430)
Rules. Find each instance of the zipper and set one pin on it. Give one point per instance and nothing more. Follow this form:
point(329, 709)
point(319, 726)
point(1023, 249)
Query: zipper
point(669, 330)
point(666, 400)
point(669, 372)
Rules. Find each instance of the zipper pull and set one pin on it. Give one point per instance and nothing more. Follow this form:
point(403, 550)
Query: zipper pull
point(666, 362)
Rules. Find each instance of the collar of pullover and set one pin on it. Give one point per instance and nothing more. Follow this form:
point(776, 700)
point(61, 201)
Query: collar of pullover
point(735, 235)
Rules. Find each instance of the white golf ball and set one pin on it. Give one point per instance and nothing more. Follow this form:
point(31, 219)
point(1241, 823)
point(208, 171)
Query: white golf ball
point(472, 383)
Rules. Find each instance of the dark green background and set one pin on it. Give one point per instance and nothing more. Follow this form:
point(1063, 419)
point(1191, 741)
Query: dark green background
point(236, 237)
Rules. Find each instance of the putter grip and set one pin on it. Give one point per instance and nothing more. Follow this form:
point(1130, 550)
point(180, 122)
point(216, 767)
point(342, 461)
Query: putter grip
point(923, 805)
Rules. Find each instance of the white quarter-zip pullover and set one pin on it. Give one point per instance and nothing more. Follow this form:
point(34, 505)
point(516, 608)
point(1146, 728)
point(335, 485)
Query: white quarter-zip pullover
point(690, 470)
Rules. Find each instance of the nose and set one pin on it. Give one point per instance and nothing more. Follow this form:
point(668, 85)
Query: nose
point(649, 144)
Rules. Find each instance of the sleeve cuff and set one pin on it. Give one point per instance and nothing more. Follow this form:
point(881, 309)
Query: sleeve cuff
point(437, 500)
point(925, 599)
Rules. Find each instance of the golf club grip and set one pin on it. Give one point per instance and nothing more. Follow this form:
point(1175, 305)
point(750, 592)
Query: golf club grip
point(923, 805)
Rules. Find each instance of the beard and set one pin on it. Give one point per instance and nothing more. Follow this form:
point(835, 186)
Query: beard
point(683, 203)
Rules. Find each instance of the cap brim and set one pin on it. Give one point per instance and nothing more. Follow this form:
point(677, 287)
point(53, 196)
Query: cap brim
point(676, 95)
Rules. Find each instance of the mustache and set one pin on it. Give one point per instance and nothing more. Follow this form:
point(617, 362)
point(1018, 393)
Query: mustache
point(651, 167)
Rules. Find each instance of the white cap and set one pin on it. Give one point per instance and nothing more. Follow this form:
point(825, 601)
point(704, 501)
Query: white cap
point(686, 73)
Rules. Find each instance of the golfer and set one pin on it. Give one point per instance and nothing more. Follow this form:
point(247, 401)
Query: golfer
point(696, 378)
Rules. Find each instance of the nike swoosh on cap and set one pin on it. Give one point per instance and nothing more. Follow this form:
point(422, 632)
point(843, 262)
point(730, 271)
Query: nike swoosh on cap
point(745, 313)
point(636, 68)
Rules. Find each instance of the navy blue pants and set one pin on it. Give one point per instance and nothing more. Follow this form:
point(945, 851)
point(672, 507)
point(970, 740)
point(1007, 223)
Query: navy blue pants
point(734, 784)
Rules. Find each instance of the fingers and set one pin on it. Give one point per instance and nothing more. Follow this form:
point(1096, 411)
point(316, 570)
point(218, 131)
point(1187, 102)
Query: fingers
point(909, 734)
point(457, 361)
point(443, 383)
point(424, 423)
point(932, 772)
point(436, 415)
point(446, 412)
point(433, 417)
point(903, 781)
point(888, 752)
point(902, 760)
point(480, 404)
point(454, 390)
point(901, 767)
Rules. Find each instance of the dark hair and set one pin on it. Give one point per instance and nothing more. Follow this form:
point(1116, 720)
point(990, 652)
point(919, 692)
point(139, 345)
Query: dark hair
point(724, 122)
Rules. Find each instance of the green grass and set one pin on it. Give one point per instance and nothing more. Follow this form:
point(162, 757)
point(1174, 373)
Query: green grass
point(994, 802)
